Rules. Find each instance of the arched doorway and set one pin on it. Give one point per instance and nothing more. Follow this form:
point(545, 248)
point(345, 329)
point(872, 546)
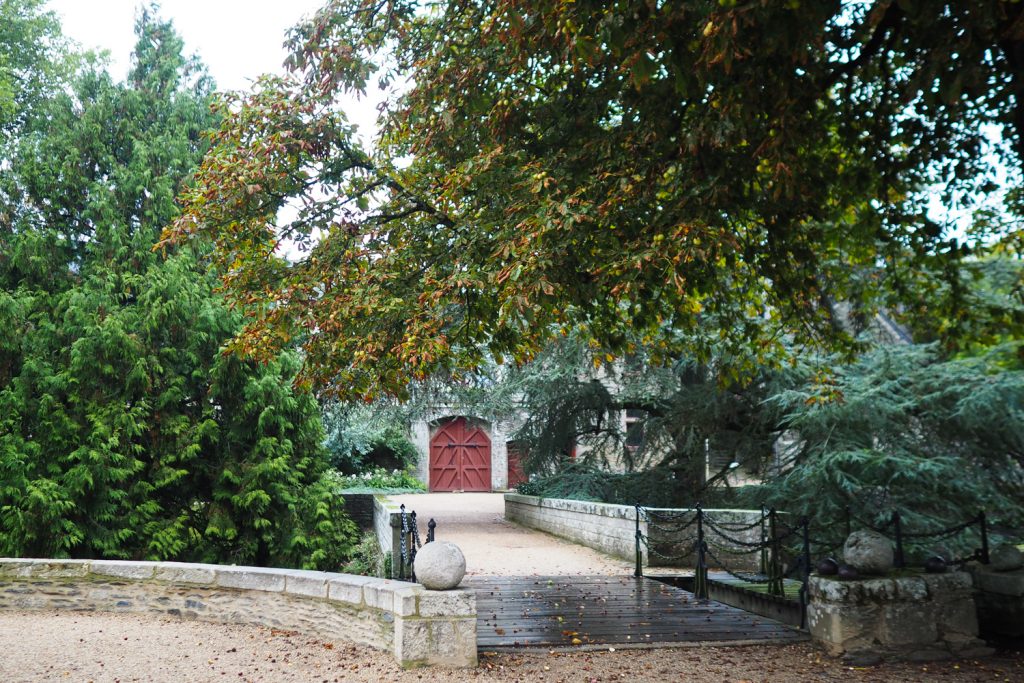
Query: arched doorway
point(460, 457)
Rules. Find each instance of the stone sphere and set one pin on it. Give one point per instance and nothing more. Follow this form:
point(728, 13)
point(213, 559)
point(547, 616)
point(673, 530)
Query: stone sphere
point(439, 566)
point(869, 552)
point(1005, 558)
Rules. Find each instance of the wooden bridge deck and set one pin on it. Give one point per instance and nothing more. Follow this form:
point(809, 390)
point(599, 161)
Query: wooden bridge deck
point(577, 611)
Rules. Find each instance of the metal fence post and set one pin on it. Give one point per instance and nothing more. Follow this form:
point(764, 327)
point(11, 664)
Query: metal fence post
point(775, 585)
point(898, 560)
point(639, 570)
point(431, 525)
point(413, 538)
point(764, 539)
point(700, 583)
point(403, 547)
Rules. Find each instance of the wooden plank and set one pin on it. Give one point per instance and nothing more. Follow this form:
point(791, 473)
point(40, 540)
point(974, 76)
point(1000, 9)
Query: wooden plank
point(590, 610)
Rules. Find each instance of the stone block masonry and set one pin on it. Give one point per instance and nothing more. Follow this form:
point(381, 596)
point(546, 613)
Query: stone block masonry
point(610, 529)
point(918, 617)
point(418, 626)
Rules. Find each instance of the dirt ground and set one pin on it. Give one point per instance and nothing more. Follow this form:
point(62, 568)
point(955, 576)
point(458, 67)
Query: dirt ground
point(118, 648)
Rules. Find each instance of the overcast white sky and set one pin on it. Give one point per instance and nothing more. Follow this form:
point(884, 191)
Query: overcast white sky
point(237, 39)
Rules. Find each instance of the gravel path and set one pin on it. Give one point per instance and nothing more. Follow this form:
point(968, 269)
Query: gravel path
point(493, 546)
point(117, 648)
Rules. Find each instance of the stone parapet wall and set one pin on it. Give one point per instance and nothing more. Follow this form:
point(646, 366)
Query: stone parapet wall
point(1000, 599)
point(918, 618)
point(610, 529)
point(383, 510)
point(418, 626)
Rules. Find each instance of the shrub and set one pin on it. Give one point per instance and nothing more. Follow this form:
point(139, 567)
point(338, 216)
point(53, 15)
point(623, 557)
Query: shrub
point(361, 438)
point(368, 559)
point(380, 480)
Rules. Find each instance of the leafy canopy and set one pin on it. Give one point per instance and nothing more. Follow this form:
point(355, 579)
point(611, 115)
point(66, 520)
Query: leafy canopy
point(624, 168)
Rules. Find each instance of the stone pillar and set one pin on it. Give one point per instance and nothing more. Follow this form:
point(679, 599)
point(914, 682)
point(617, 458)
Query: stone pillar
point(916, 618)
point(435, 628)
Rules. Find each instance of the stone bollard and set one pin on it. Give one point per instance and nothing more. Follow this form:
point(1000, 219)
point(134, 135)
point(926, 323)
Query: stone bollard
point(916, 618)
point(440, 566)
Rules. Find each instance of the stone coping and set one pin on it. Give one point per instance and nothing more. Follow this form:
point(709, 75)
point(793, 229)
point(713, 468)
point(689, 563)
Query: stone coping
point(908, 588)
point(1008, 583)
point(584, 506)
point(424, 621)
point(611, 528)
point(612, 509)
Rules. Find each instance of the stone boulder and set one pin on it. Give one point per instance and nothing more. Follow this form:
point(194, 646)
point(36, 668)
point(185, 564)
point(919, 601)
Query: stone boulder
point(439, 566)
point(1005, 558)
point(869, 552)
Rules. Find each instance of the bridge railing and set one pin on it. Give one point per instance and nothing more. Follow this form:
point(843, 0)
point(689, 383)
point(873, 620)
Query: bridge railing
point(780, 546)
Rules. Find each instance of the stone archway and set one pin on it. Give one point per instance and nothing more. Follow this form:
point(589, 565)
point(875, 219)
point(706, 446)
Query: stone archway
point(460, 457)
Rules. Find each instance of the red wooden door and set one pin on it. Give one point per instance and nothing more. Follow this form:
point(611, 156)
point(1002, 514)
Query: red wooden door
point(516, 476)
point(460, 457)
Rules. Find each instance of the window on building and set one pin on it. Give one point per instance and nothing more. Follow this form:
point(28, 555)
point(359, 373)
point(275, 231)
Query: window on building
point(635, 428)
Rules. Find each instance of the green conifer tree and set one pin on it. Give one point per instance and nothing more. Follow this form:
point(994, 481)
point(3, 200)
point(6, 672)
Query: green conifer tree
point(124, 431)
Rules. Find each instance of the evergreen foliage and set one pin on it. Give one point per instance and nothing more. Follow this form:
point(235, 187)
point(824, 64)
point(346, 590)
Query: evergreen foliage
point(31, 59)
point(656, 487)
point(902, 427)
point(125, 432)
point(364, 437)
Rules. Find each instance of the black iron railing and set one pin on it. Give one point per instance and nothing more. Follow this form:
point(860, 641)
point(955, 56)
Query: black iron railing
point(784, 547)
point(409, 544)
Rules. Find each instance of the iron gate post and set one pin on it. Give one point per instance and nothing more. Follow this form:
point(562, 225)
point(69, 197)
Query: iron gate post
point(403, 549)
point(431, 525)
point(700, 583)
point(413, 537)
point(775, 583)
point(764, 539)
